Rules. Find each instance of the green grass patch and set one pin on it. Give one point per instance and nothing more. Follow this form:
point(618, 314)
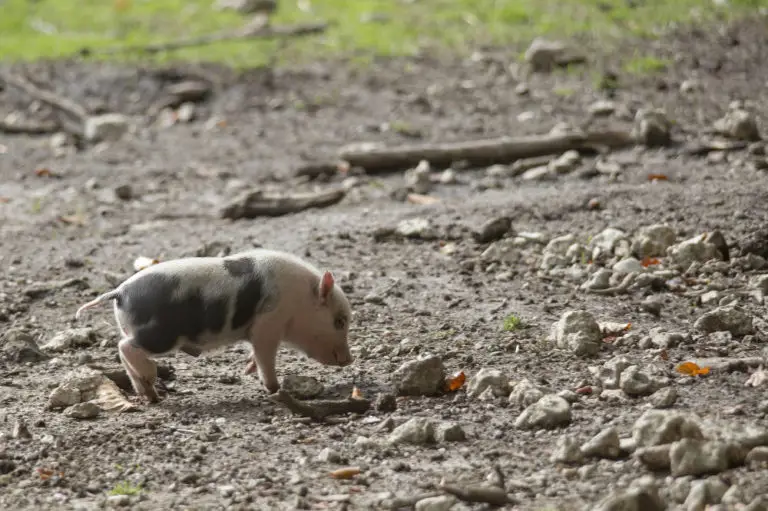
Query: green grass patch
point(125, 488)
point(646, 64)
point(57, 28)
point(513, 323)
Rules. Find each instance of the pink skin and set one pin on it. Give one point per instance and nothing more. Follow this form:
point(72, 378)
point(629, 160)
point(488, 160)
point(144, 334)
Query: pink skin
point(141, 369)
point(303, 333)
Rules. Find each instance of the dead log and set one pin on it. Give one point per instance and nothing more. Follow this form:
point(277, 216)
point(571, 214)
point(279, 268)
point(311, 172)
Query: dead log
point(480, 152)
point(492, 495)
point(259, 30)
point(49, 98)
point(321, 408)
point(257, 203)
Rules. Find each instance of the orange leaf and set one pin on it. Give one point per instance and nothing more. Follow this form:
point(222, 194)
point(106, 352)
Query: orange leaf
point(657, 177)
point(691, 369)
point(356, 394)
point(44, 172)
point(455, 382)
point(345, 473)
point(5, 199)
point(650, 261)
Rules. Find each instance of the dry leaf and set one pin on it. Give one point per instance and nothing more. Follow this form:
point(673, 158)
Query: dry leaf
point(72, 219)
point(692, 369)
point(657, 177)
point(5, 199)
point(663, 354)
point(455, 382)
point(356, 394)
point(43, 172)
point(345, 473)
point(585, 390)
point(650, 261)
point(110, 398)
point(343, 167)
point(422, 200)
point(142, 262)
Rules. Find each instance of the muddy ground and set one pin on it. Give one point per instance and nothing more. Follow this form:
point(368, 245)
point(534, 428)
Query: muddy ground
point(215, 441)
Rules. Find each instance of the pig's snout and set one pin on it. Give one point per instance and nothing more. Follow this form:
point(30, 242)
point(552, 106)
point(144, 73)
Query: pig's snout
point(343, 357)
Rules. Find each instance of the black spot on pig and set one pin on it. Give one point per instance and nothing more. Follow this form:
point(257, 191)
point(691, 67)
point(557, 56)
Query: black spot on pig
point(160, 318)
point(251, 294)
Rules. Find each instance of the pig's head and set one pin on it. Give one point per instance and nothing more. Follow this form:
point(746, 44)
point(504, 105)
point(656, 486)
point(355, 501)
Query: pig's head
point(321, 329)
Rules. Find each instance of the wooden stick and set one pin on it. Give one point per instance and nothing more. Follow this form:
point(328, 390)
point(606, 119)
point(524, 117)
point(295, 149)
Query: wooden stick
point(256, 203)
point(492, 495)
point(48, 97)
point(28, 128)
point(259, 32)
point(314, 169)
point(320, 409)
point(481, 152)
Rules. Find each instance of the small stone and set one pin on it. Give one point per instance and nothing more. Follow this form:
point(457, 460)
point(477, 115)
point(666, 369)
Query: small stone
point(418, 179)
point(541, 173)
point(610, 373)
point(20, 430)
point(652, 305)
point(628, 265)
point(755, 243)
point(733, 496)
point(488, 378)
point(664, 339)
point(663, 398)
point(78, 386)
point(602, 108)
point(186, 112)
point(450, 433)
point(608, 240)
point(439, 503)
point(636, 498)
point(567, 450)
point(124, 192)
point(328, 455)
point(19, 347)
point(693, 250)
point(226, 491)
point(757, 455)
point(87, 410)
point(696, 457)
point(548, 412)
point(738, 124)
point(118, 500)
point(601, 279)
point(725, 319)
point(566, 162)
point(655, 457)
point(416, 431)
point(656, 427)
point(303, 387)
point(385, 402)
point(420, 377)
point(603, 445)
point(493, 230)
point(635, 382)
point(543, 54)
point(106, 127)
point(652, 128)
point(69, 339)
point(525, 393)
point(416, 228)
point(653, 241)
point(578, 332)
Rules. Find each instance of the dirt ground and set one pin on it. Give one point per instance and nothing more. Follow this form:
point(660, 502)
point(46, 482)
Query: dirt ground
point(216, 441)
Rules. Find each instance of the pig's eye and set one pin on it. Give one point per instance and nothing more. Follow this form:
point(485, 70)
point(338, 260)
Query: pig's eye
point(340, 322)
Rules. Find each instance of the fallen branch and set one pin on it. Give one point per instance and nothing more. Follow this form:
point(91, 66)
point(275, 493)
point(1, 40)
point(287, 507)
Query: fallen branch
point(480, 152)
point(622, 287)
point(28, 128)
point(397, 503)
point(320, 409)
point(315, 169)
point(252, 31)
point(256, 203)
point(492, 495)
point(50, 98)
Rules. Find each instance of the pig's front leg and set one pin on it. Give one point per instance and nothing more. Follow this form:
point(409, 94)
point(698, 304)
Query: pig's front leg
point(141, 369)
point(263, 358)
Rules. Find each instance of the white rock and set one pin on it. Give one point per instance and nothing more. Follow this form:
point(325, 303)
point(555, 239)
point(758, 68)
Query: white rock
point(418, 179)
point(601, 279)
point(578, 332)
point(635, 498)
point(504, 251)
point(567, 450)
point(488, 378)
point(68, 339)
point(541, 173)
point(610, 373)
point(656, 427)
point(87, 410)
point(421, 377)
point(655, 457)
point(602, 107)
point(417, 430)
point(603, 445)
point(664, 339)
point(725, 319)
point(560, 244)
point(628, 265)
point(757, 455)
point(697, 457)
point(635, 382)
point(450, 432)
point(78, 386)
point(653, 241)
point(548, 412)
point(106, 127)
point(693, 250)
point(303, 387)
point(439, 503)
point(738, 124)
point(734, 496)
point(525, 393)
point(328, 455)
point(186, 112)
point(607, 240)
point(543, 54)
point(566, 162)
point(420, 228)
point(663, 398)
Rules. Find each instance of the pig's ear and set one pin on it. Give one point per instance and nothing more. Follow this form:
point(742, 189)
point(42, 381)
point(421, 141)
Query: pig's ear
point(326, 284)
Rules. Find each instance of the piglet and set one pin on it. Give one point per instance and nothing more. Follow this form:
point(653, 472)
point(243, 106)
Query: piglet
point(198, 304)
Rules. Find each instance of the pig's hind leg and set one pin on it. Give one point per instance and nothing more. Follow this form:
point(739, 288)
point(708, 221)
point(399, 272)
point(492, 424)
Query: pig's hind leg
point(141, 369)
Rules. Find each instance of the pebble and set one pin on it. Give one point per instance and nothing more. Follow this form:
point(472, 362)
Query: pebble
point(543, 54)
point(635, 382)
point(421, 377)
point(664, 339)
point(87, 410)
point(493, 230)
point(702, 493)
point(525, 393)
point(548, 412)
point(385, 402)
point(628, 265)
point(439, 503)
point(448, 432)
point(602, 108)
point(656, 427)
point(757, 455)
point(608, 240)
point(738, 124)
point(20, 430)
point(417, 430)
point(601, 279)
point(118, 500)
point(106, 127)
point(610, 372)
point(416, 228)
point(725, 319)
point(603, 445)
point(488, 378)
point(124, 192)
point(693, 250)
point(655, 457)
point(653, 241)
point(696, 457)
point(418, 179)
point(567, 450)
point(578, 332)
point(69, 339)
point(303, 387)
point(328, 455)
point(663, 398)
point(566, 162)
point(652, 127)
point(20, 347)
point(78, 386)
point(637, 498)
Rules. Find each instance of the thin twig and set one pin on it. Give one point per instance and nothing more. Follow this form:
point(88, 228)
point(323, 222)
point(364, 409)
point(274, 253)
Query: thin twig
point(48, 97)
point(28, 128)
point(492, 495)
point(320, 409)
